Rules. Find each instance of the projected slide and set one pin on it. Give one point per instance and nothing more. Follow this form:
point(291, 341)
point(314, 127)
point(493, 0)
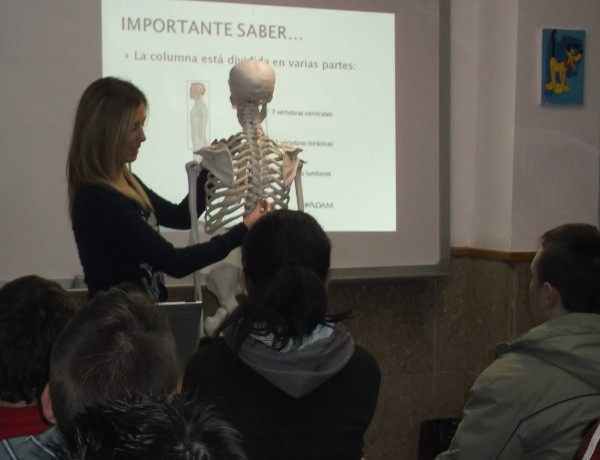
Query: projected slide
point(334, 95)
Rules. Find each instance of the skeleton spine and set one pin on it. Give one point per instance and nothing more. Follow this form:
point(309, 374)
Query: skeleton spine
point(254, 134)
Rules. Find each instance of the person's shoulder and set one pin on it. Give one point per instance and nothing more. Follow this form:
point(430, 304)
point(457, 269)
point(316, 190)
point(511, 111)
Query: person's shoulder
point(208, 367)
point(31, 447)
point(364, 356)
point(99, 198)
point(211, 349)
point(510, 378)
point(363, 364)
point(211, 342)
point(547, 346)
point(92, 193)
point(141, 182)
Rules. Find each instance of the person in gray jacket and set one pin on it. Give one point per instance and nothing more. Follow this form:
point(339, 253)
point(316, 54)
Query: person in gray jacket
point(535, 401)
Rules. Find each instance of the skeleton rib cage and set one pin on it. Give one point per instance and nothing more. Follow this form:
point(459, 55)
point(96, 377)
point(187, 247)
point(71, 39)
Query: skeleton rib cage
point(249, 165)
point(258, 168)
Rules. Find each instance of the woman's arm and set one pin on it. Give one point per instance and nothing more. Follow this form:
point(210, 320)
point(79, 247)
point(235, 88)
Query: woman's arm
point(117, 222)
point(177, 216)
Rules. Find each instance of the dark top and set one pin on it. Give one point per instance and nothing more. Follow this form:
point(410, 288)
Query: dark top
point(118, 241)
point(326, 424)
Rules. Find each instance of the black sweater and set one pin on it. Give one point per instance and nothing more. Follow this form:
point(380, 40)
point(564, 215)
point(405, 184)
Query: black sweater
point(326, 424)
point(118, 241)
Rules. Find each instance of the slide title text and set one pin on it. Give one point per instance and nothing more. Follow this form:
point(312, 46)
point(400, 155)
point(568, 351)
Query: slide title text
point(210, 28)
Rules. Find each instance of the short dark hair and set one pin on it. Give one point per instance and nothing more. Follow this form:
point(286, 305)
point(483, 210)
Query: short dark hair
point(285, 259)
point(120, 342)
point(141, 427)
point(33, 311)
point(570, 261)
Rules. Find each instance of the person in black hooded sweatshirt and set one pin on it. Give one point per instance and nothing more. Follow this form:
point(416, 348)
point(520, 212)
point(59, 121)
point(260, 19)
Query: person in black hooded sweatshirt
point(283, 369)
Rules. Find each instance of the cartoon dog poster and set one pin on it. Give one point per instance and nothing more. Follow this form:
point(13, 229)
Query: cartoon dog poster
point(563, 59)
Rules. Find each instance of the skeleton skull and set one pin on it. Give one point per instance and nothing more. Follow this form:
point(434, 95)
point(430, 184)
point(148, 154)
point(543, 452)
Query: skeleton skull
point(251, 80)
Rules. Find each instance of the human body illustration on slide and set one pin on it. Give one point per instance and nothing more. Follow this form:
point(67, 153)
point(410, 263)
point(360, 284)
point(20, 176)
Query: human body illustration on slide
point(198, 116)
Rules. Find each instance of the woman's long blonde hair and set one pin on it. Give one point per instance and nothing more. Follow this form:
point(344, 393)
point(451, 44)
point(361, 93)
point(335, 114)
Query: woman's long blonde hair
point(104, 118)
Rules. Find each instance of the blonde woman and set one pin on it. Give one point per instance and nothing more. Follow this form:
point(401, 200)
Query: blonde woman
point(115, 216)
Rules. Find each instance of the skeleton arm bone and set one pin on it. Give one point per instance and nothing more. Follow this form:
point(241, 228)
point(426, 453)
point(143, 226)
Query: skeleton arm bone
point(298, 185)
point(193, 170)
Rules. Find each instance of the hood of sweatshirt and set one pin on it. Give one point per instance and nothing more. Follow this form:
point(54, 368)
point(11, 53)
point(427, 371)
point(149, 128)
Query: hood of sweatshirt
point(297, 370)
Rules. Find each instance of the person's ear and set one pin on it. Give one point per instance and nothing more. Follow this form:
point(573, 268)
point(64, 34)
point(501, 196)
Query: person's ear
point(552, 300)
point(549, 296)
point(47, 405)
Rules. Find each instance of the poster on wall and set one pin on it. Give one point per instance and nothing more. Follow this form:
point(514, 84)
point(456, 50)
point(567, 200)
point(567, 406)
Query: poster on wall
point(563, 66)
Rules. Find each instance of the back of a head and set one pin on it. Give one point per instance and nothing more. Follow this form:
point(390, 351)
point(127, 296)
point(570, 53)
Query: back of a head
point(33, 311)
point(139, 427)
point(285, 259)
point(120, 343)
point(570, 261)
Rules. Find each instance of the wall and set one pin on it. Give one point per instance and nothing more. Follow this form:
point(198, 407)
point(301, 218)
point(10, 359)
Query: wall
point(517, 167)
point(556, 147)
point(35, 94)
point(493, 200)
point(464, 18)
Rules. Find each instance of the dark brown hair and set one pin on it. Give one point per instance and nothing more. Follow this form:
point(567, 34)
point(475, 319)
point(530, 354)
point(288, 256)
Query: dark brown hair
point(285, 258)
point(570, 261)
point(33, 311)
point(119, 343)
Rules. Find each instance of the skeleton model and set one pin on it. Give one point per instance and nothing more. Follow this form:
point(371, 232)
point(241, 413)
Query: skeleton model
point(249, 165)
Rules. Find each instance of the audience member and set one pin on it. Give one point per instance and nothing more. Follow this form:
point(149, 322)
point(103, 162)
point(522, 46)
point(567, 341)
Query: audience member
point(141, 427)
point(33, 311)
point(118, 344)
point(535, 401)
point(285, 372)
